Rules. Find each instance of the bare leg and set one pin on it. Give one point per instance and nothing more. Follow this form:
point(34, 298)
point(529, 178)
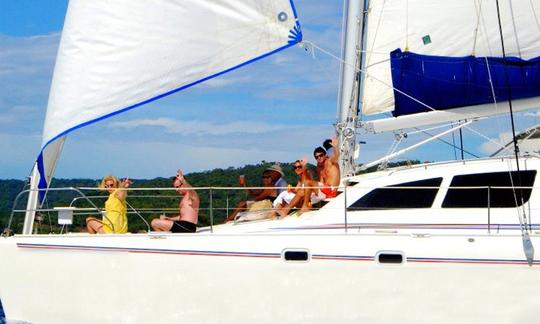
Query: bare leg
point(241, 206)
point(298, 198)
point(306, 205)
point(94, 225)
point(161, 225)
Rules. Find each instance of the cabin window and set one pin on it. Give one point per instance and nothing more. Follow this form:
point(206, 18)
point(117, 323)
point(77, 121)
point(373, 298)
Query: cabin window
point(416, 194)
point(494, 197)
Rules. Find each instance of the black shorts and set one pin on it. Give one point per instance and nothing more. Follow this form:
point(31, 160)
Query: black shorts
point(183, 227)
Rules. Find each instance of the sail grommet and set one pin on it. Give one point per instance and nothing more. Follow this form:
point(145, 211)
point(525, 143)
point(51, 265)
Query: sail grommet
point(282, 16)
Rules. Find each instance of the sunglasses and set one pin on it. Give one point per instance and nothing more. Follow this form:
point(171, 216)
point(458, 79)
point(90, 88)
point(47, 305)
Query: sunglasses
point(266, 177)
point(317, 156)
point(296, 167)
point(109, 185)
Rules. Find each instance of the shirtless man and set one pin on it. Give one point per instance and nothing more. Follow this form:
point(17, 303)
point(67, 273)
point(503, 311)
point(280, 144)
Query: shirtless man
point(309, 191)
point(328, 169)
point(186, 221)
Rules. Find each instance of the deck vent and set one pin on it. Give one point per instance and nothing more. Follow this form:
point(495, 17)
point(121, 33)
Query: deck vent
point(390, 257)
point(295, 255)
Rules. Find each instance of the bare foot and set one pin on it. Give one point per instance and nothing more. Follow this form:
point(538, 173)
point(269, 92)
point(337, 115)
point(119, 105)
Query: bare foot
point(282, 212)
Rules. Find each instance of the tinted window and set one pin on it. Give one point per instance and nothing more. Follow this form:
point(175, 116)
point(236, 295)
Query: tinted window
point(478, 197)
point(408, 195)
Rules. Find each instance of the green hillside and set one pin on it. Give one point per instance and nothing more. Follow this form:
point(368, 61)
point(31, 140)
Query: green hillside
point(149, 203)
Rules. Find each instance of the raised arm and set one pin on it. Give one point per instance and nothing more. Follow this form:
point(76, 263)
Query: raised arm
point(335, 158)
point(121, 193)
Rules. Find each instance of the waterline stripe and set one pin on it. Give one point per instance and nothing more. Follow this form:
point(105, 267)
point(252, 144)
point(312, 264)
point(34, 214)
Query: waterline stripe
point(270, 255)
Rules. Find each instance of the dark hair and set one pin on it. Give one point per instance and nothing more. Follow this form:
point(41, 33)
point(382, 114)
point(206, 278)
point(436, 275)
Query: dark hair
point(327, 144)
point(319, 149)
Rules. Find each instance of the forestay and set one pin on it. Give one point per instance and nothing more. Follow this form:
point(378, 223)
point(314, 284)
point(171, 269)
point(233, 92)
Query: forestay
point(425, 31)
point(118, 55)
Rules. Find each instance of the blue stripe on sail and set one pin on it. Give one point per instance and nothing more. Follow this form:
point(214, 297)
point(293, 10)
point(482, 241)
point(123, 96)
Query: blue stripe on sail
point(2, 314)
point(42, 184)
point(443, 82)
point(294, 37)
point(295, 34)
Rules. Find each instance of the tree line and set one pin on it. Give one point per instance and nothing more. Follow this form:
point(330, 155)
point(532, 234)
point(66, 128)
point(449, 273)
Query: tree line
point(148, 203)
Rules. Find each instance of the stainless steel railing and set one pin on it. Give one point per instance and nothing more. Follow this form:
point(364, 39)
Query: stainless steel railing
point(349, 194)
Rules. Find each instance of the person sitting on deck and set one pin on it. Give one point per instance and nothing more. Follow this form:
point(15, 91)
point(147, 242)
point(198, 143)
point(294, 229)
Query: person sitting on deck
point(186, 221)
point(260, 198)
point(115, 218)
point(329, 178)
point(294, 197)
point(277, 174)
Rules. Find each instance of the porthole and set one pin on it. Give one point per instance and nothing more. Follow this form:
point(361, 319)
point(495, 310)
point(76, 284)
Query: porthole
point(390, 257)
point(295, 255)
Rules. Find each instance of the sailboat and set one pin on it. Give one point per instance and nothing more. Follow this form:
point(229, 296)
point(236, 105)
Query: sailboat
point(431, 243)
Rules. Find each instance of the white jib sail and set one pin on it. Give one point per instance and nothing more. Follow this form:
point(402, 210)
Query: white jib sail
point(454, 28)
point(117, 55)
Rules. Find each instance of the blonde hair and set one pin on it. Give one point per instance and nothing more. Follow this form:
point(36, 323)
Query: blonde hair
point(108, 178)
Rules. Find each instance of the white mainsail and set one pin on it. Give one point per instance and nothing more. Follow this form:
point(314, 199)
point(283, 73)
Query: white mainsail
point(118, 55)
point(457, 28)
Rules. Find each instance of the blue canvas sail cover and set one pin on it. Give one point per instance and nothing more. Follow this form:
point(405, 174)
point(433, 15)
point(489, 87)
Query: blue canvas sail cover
point(117, 55)
point(449, 82)
point(446, 48)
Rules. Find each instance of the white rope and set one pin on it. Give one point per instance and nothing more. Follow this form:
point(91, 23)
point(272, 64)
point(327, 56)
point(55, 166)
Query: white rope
point(498, 144)
point(476, 30)
point(515, 28)
point(535, 15)
point(357, 69)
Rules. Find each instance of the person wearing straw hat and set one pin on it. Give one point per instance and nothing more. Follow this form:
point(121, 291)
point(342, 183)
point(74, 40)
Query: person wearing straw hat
point(260, 199)
point(276, 173)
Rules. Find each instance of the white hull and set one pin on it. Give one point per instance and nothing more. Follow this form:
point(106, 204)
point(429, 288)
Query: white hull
point(459, 265)
point(214, 278)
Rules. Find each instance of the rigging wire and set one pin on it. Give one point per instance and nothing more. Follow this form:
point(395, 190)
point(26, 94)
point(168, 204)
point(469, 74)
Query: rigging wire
point(453, 141)
point(527, 244)
point(315, 46)
point(535, 15)
point(452, 145)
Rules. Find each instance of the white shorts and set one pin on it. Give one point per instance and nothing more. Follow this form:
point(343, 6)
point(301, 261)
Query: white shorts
point(285, 197)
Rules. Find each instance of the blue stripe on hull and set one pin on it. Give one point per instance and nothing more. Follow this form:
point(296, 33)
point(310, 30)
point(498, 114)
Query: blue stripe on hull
point(443, 82)
point(269, 255)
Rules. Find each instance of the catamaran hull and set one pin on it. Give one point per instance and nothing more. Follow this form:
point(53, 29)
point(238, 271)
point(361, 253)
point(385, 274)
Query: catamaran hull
point(245, 278)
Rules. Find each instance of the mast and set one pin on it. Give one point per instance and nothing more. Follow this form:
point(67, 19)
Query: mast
point(349, 91)
point(32, 202)
point(40, 180)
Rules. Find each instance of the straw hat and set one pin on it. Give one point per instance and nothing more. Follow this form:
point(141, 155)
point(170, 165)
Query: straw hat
point(276, 168)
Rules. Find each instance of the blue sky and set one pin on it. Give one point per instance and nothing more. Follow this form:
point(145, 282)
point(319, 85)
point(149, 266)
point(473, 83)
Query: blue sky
point(277, 109)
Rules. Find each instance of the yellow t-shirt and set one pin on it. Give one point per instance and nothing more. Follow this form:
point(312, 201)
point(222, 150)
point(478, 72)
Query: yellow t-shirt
point(116, 212)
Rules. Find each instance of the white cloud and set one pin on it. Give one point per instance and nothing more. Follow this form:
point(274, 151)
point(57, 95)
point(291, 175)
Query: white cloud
point(201, 127)
point(532, 114)
point(223, 81)
point(7, 118)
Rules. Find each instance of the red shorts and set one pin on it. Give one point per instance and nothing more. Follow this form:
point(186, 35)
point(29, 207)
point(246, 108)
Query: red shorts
point(328, 192)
